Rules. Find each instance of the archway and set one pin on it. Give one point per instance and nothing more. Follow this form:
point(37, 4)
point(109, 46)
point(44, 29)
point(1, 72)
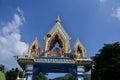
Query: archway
point(60, 64)
point(56, 38)
point(54, 68)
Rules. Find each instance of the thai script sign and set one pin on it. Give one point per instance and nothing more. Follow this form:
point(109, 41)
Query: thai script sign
point(54, 60)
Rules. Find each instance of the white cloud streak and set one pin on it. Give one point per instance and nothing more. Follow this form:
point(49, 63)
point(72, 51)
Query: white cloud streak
point(102, 1)
point(116, 13)
point(10, 40)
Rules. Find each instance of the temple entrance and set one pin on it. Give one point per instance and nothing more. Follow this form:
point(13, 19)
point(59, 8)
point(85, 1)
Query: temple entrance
point(53, 58)
point(54, 69)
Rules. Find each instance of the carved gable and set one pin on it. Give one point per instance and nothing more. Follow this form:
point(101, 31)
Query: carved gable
point(57, 35)
point(34, 49)
point(79, 49)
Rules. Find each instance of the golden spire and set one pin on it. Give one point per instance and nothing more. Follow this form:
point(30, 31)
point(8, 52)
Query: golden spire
point(58, 19)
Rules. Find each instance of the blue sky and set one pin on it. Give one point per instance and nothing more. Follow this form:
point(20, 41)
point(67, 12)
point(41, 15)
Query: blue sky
point(94, 22)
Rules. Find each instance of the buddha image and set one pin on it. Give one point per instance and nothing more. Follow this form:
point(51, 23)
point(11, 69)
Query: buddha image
point(56, 52)
point(79, 51)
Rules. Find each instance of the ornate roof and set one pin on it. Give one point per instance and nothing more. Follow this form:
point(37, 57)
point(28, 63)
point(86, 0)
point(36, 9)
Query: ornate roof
point(35, 42)
point(59, 28)
point(57, 34)
point(35, 45)
point(78, 43)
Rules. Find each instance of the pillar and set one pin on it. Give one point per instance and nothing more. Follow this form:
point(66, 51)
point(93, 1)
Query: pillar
point(80, 73)
point(29, 72)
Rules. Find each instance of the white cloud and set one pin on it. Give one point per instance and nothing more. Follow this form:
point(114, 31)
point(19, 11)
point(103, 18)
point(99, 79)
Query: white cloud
point(102, 1)
point(10, 40)
point(116, 13)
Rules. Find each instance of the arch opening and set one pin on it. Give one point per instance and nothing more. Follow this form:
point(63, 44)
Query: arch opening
point(55, 40)
point(56, 46)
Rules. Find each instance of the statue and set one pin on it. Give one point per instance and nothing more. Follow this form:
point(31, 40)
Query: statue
point(78, 55)
point(56, 52)
point(34, 52)
point(63, 52)
point(34, 49)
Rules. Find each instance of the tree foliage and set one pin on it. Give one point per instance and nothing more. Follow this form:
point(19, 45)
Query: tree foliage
point(70, 77)
point(41, 76)
point(107, 63)
point(65, 77)
point(2, 76)
point(13, 73)
point(87, 77)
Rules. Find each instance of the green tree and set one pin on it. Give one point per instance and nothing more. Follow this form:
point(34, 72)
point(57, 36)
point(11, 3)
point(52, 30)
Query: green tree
point(65, 77)
point(107, 63)
point(41, 76)
point(13, 73)
point(2, 76)
point(87, 77)
point(70, 77)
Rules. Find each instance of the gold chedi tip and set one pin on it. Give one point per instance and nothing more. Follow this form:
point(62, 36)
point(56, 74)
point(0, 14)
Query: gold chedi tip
point(58, 19)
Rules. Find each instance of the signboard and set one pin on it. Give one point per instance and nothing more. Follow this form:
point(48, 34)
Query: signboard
point(53, 60)
point(83, 62)
point(25, 60)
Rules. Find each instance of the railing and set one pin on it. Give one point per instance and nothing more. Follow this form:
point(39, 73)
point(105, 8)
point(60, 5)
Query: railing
point(19, 56)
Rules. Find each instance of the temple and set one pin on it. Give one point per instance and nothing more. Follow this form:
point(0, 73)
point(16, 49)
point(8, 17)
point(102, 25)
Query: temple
point(55, 56)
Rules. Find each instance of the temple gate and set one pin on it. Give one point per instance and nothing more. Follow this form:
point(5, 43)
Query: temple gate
point(58, 60)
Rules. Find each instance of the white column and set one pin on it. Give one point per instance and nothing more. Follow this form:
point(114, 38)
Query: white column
point(80, 72)
point(29, 72)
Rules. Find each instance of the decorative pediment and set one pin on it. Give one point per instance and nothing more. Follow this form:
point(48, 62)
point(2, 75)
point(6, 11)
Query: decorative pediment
point(58, 28)
point(79, 49)
point(57, 35)
point(34, 49)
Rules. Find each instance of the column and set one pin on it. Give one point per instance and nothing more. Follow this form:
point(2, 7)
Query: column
point(80, 72)
point(29, 72)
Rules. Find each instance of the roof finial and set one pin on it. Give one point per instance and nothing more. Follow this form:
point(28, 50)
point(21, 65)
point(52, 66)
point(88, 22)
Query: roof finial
point(58, 19)
point(36, 38)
